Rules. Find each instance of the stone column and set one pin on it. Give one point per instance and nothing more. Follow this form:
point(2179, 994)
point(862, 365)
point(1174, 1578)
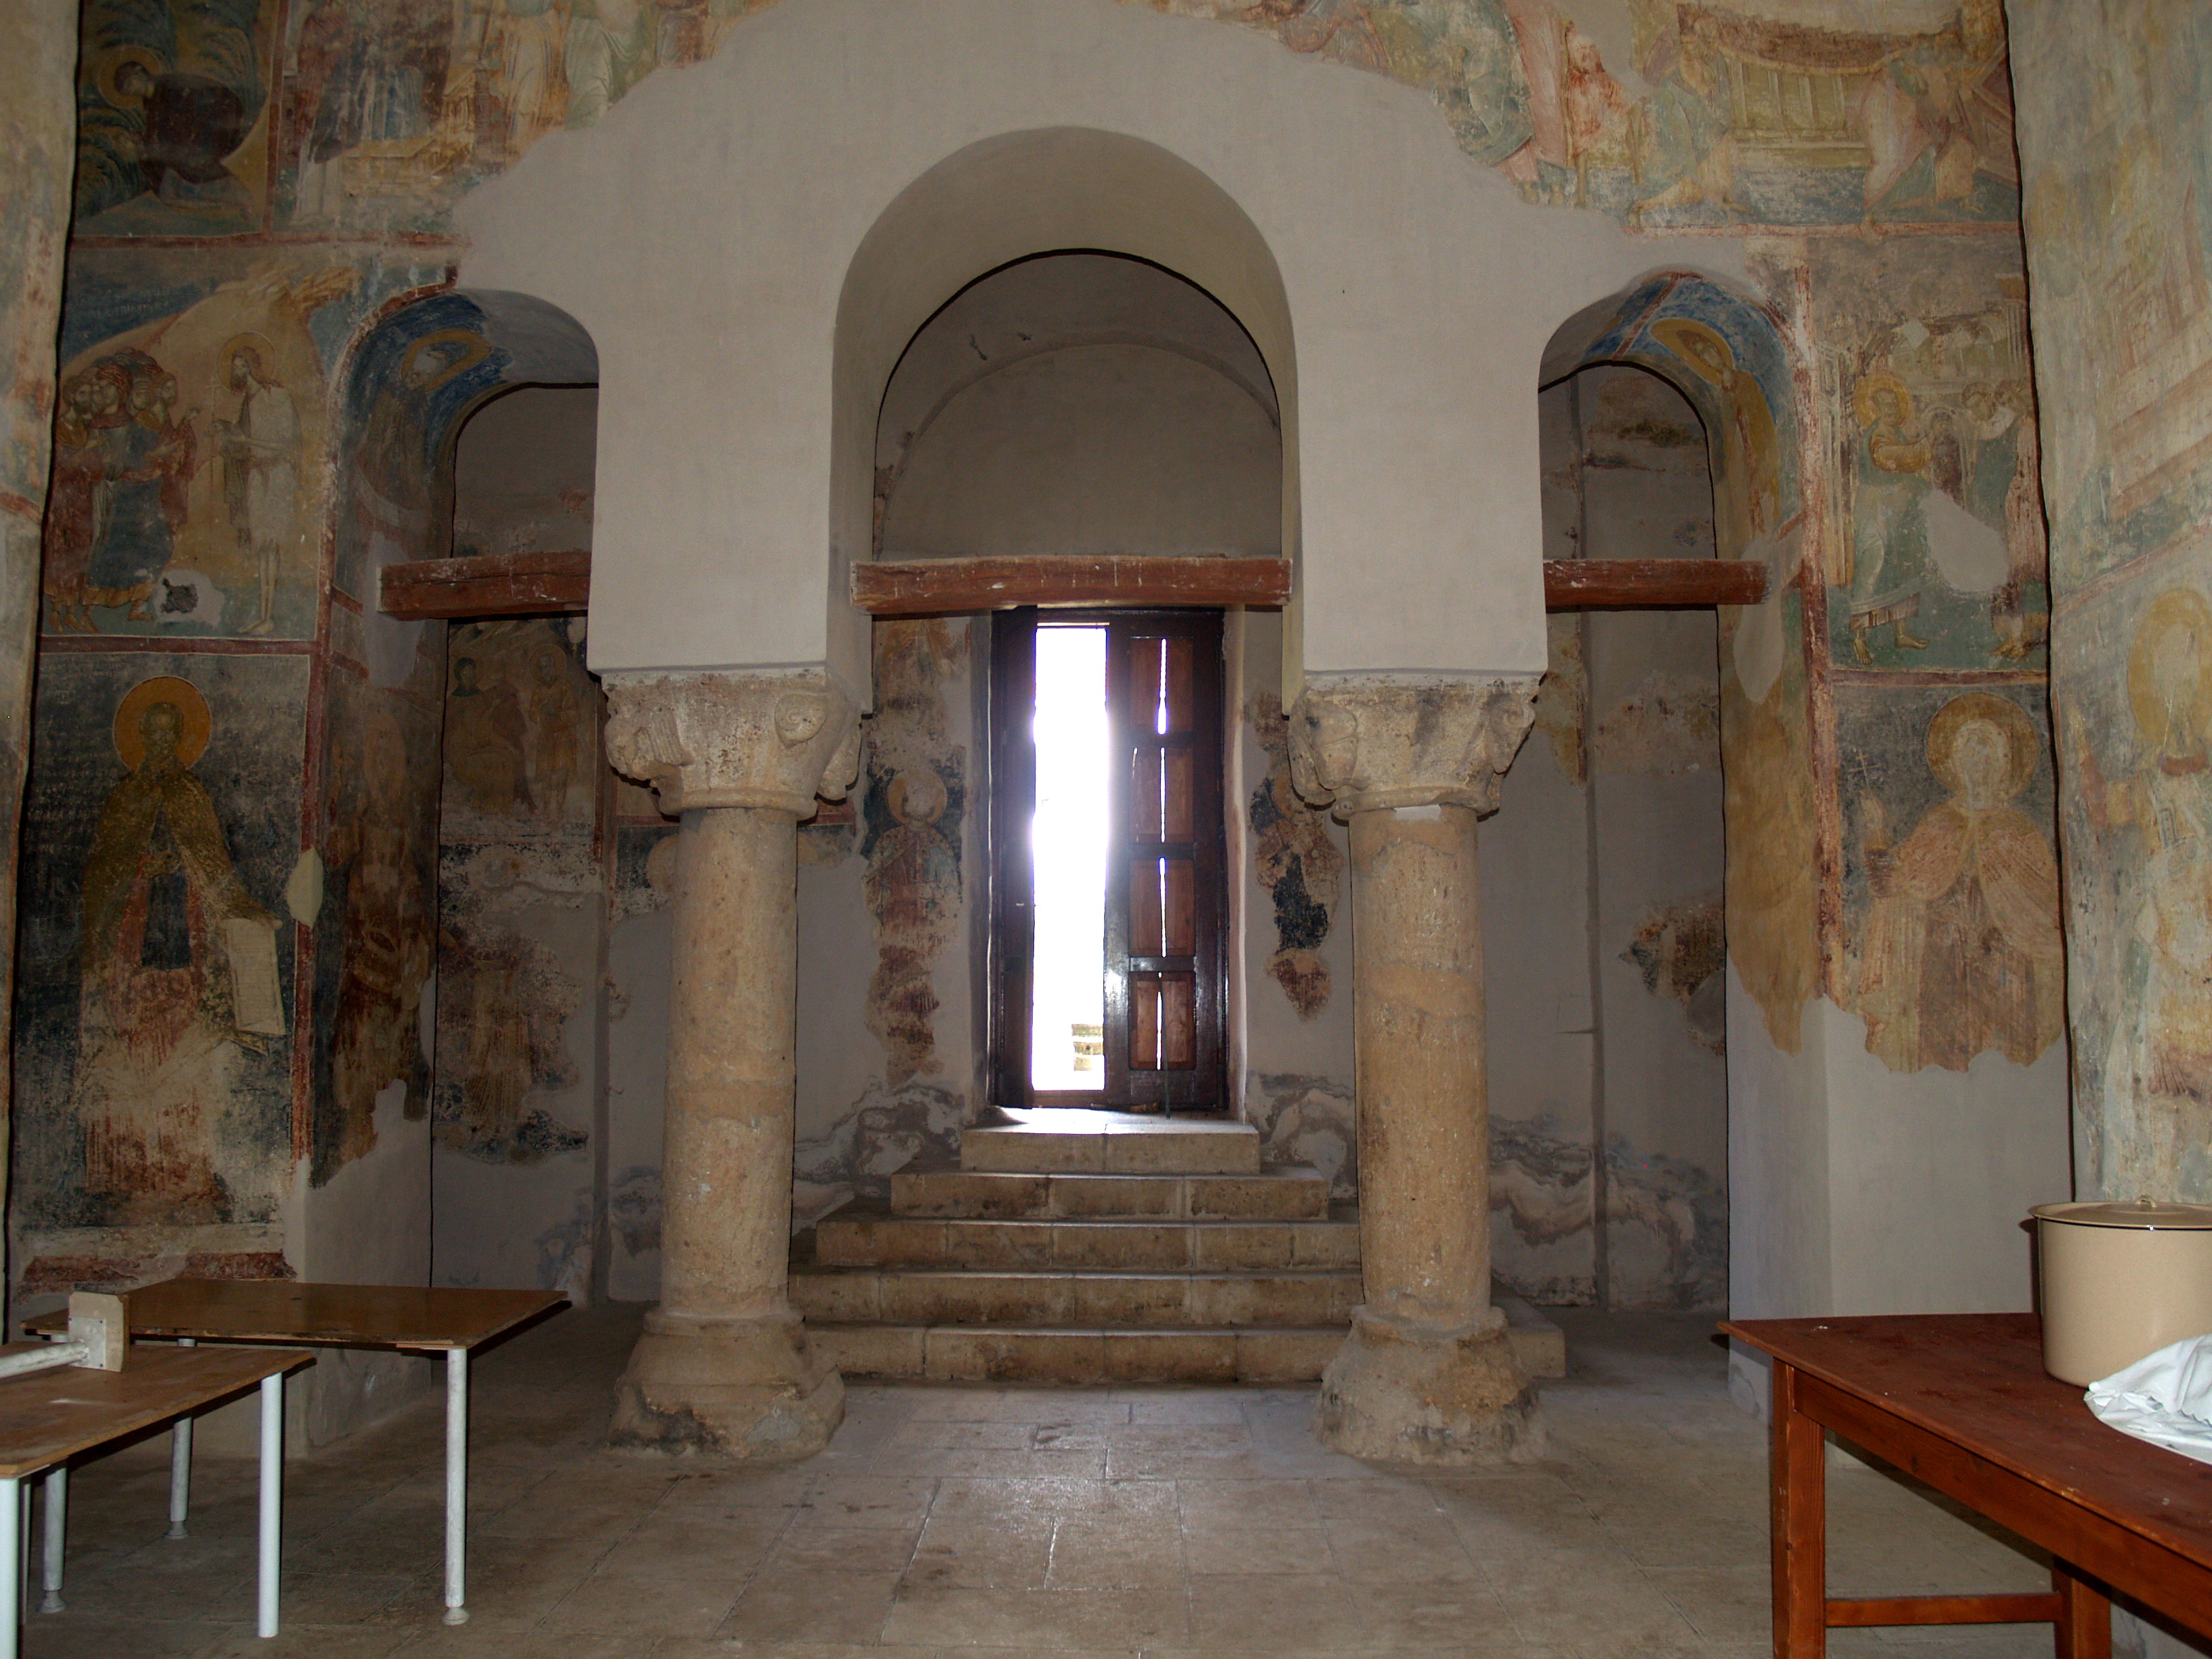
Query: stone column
point(1427, 1375)
point(725, 1364)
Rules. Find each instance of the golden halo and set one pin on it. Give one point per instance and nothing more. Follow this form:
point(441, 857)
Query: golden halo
point(195, 722)
point(2184, 611)
point(258, 344)
point(110, 72)
point(478, 348)
point(1682, 335)
point(2022, 739)
point(1872, 382)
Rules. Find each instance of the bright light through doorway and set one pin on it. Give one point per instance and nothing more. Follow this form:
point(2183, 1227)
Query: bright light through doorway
point(1068, 987)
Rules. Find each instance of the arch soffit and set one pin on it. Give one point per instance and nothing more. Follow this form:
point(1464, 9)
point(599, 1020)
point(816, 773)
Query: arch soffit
point(1725, 354)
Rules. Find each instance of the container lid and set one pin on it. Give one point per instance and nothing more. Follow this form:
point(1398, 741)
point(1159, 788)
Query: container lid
point(2144, 1212)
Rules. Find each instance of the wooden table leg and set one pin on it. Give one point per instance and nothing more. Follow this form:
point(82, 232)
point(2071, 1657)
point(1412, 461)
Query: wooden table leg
point(1798, 1519)
point(2085, 1616)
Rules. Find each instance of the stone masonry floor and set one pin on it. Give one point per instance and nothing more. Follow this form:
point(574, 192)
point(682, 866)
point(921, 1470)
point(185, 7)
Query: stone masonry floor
point(985, 1522)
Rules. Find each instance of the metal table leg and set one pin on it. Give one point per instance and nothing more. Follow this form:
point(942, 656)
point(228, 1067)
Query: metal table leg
point(57, 1490)
point(457, 1484)
point(272, 1503)
point(180, 1466)
point(11, 1566)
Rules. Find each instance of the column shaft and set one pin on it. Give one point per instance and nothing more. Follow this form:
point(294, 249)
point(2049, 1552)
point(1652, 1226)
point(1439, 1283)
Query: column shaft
point(1424, 1110)
point(725, 1216)
point(724, 1365)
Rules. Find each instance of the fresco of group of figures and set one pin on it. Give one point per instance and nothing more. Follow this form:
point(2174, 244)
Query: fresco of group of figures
point(154, 1002)
point(188, 497)
point(1940, 560)
point(389, 111)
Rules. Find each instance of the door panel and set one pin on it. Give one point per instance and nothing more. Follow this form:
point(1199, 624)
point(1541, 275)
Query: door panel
point(1163, 1042)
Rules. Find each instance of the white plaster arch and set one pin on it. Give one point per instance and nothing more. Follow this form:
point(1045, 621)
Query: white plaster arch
point(703, 234)
point(1012, 196)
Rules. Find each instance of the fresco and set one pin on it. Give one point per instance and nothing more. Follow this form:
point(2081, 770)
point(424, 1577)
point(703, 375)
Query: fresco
point(174, 117)
point(154, 1007)
point(1681, 953)
point(1296, 860)
point(911, 816)
point(36, 49)
point(395, 106)
point(2138, 817)
point(2118, 180)
point(413, 383)
point(519, 876)
point(1746, 120)
point(1936, 471)
point(186, 497)
point(376, 930)
point(393, 109)
point(1950, 880)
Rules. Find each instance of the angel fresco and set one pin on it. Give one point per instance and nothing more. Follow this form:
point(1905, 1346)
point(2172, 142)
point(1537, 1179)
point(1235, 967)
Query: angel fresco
point(1750, 449)
point(1962, 949)
point(178, 968)
point(2166, 799)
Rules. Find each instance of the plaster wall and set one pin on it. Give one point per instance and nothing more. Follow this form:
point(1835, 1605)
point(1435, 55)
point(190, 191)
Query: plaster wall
point(1602, 883)
point(1420, 294)
point(1094, 449)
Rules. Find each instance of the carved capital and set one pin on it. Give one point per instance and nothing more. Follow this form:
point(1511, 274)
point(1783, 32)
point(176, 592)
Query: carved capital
point(1367, 742)
point(773, 741)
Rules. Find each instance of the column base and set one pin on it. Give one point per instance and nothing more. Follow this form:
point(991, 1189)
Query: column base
point(1442, 1396)
point(756, 1390)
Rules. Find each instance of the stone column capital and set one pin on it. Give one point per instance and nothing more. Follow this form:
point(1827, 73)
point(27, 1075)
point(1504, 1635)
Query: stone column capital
point(769, 740)
point(1369, 741)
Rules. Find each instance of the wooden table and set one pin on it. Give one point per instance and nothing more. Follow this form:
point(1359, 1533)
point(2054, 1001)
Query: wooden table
point(404, 1318)
point(1962, 1403)
point(49, 1417)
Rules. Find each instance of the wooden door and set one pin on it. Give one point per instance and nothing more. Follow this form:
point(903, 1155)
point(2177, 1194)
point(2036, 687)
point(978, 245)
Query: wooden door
point(1166, 903)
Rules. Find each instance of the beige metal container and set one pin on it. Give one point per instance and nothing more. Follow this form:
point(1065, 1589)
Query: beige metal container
point(2120, 1281)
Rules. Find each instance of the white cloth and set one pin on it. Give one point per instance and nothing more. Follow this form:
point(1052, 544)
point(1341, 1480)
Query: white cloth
point(2165, 1399)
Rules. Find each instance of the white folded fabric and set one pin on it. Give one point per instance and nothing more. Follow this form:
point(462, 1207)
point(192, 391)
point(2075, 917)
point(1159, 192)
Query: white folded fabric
point(2166, 1397)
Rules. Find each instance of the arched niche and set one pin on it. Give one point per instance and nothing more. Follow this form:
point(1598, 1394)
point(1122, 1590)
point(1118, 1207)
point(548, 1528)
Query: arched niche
point(998, 202)
point(1079, 404)
point(1725, 354)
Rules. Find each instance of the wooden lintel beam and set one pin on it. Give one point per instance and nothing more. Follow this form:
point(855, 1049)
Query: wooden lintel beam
point(1651, 583)
point(939, 587)
point(494, 585)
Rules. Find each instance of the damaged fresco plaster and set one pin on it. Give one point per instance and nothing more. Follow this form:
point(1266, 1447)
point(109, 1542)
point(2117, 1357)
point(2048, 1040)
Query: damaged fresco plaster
point(37, 124)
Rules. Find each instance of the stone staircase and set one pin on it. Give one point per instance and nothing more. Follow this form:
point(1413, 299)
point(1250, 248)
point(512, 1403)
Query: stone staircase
point(1083, 1247)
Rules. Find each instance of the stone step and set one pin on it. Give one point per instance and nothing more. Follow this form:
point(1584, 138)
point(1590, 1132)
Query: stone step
point(1277, 1195)
point(1035, 1354)
point(1015, 1353)
point(853, 1238)
point(1091, 1300)
point(1071, 1140)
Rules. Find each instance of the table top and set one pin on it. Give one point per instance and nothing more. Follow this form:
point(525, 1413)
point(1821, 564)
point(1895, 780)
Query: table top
point(1977, 1381)
point(48, 1417)
point(413, 1317)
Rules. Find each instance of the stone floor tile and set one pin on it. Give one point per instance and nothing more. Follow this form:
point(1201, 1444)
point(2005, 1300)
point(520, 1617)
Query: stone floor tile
point(1269, 1612)
point(1116, 1552)
point(614, 1604)
point(1035, 1619)
point(811, 1606)
point(1271, 1549)
point(1398, 1550)
point(982, 1551)
point(808, 1547)
point(860, 1500)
